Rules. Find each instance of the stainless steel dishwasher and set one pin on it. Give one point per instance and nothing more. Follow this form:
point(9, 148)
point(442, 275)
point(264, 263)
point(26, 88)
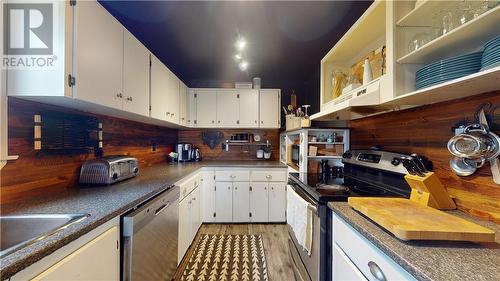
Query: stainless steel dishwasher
point(149, 239)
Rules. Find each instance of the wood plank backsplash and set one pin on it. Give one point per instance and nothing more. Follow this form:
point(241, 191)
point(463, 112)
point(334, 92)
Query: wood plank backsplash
point(36, 173)
point(194, 136)
point(426, 130)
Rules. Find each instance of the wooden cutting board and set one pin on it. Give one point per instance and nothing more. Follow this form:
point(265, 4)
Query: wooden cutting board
point(409, 220)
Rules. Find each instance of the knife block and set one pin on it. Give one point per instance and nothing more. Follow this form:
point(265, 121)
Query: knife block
point(429, 191)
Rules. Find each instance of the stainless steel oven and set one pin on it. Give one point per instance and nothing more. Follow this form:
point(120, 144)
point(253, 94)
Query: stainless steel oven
point(149, 239)
point(306, 267)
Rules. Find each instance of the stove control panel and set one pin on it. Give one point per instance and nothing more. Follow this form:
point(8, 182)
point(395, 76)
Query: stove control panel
point(382, 160)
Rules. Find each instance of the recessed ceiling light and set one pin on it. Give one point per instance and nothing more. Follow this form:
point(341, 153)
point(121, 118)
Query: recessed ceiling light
point(243, 65)
point(240, 44)
point(238, 57)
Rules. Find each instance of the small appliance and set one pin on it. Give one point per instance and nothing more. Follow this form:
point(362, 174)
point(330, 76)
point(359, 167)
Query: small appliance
point(184, 152)
point(197, 154)
point(108, 170)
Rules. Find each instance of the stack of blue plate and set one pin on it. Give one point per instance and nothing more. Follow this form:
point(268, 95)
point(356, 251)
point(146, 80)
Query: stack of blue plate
point(491, 54)
point(448, 69)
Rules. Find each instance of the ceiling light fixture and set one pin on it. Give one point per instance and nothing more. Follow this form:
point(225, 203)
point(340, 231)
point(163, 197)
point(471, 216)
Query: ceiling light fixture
point(241, 43)
point(243, 65)
point(238, 57)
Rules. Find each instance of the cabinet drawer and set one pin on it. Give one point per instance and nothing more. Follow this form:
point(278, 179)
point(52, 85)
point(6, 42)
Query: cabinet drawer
point(367, 257)
point(267, 175)
point(235, 175)
point(189, 185)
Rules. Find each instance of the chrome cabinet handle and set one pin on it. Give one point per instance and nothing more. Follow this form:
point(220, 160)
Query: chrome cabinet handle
point(213, 121)
point(228, 187)
point(194, 199)
point(119, 95)
point(232, 176)
point(268, 176)
point(129, 98)
point(376, 271)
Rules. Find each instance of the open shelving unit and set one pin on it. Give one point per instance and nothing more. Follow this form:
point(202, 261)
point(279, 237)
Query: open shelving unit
point(395, 23)
point(302, 137)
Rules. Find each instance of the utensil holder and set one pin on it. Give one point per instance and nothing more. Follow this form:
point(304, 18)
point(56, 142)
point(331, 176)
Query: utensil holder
point(429, 191)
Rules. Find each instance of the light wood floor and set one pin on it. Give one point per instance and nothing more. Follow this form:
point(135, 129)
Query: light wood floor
point(275, 238)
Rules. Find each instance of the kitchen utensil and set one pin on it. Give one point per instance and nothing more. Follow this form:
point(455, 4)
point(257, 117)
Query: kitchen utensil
point(260, 153)
point(429, 191)
point(494, 161)
point(476, 142)
point(411, 166)
point(410, 220)
point(420, 162)
point(461, 167)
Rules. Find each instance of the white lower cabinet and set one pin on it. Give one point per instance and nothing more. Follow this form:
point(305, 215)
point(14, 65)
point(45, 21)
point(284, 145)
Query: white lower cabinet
point(356, 258)
point(189, 221)
point(83, 264)
point(208, 196)
point(223, 202)
point(344, 269)
point(241, 201)
point(277, 201)
point(259, 202)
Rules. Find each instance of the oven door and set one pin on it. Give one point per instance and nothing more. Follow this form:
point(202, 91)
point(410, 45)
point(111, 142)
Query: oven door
point(306, 267)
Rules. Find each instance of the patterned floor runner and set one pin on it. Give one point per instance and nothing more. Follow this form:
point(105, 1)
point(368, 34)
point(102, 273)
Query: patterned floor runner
point(227, 258)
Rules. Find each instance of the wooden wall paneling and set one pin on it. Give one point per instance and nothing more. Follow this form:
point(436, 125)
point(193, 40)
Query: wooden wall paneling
point(426, 130)
point(193, 136)
point(36, 173)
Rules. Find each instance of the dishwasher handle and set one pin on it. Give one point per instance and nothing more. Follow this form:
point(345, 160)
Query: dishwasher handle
point(162, 208)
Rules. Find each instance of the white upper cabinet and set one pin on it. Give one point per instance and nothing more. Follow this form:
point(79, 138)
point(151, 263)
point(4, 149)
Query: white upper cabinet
point(249, 108)
point(98, 55)
point(206, 108)
point(173, 98)
point(228, 108)
point(159, 90)
point(183, 105)
point(269, 105)
point(191, 108)
point(135, 75)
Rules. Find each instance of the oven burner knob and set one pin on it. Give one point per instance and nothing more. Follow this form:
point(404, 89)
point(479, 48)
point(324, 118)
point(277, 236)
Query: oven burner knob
point(347, 155)
point(136, 170)
point(115, 176)
point(395, 161)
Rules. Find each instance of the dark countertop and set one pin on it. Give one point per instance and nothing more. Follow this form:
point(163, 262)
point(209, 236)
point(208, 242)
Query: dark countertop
point(431, 260)
point(102, 203)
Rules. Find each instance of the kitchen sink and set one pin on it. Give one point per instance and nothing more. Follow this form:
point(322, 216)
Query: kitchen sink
point(21, 230)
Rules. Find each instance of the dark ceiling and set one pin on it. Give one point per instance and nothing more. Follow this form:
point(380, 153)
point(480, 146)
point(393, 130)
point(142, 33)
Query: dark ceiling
point(286, 40)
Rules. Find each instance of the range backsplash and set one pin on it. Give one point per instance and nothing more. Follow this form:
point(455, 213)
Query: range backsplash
point(194, 136)
point(36, 173)
point(426, 130)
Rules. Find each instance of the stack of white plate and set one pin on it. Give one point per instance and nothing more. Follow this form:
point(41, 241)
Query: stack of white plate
point(447, 69)
point(491, 54)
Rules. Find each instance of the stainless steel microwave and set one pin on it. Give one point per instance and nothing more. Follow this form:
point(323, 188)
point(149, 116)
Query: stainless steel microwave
point(294, 154)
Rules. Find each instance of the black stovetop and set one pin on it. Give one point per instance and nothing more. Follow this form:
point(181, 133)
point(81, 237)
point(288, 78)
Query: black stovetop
point(336, 189)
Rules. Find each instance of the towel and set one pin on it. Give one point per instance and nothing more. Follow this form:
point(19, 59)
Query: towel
point(300, 217)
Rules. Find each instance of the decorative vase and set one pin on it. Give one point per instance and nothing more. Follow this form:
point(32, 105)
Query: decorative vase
point(260, 153)
point(267, 155)
point(367, 72)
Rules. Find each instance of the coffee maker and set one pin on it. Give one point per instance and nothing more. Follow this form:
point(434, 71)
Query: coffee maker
point(184, 152)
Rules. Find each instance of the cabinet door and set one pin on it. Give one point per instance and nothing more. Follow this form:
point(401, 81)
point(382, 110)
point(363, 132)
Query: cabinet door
point(259, 202)
point(83, 264)
point(277, 202)
point(208, 197)
point(228, 109)
point(206, 108)
point(343, 268)
point(223, 202)
point(159, 90)
point(98, 53)
point(241, 202)
point(185, 227)
point(183, 104)
point(249, 108)
point(195, 212)
point(173, 98)
point(269, 108)
point(135, 75)
point(191, 109)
